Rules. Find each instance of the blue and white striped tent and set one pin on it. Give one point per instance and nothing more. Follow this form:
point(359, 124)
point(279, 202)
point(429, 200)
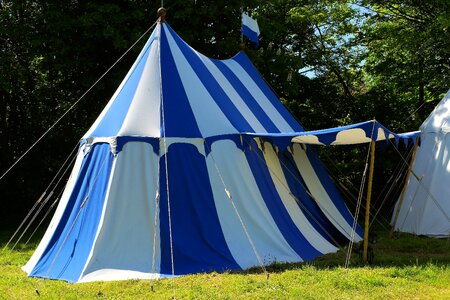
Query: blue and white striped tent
point(169, 180)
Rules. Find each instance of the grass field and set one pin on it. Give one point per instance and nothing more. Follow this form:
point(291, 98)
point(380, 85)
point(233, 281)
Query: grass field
point(407, 267)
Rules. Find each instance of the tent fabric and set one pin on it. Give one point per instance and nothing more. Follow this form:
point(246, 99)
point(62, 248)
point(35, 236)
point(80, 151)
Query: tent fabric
point(250, 28)
point(169, 179)
point(80, 219)
point(352, 134)
point(426, 206)
point(215, 97)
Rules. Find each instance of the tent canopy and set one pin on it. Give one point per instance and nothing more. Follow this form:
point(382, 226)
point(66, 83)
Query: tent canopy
point(218, 97)
point(352, 134)
point(358, 133)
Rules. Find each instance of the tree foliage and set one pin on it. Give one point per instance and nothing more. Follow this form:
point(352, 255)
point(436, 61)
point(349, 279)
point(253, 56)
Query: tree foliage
point(408, 50)
point(331, 63)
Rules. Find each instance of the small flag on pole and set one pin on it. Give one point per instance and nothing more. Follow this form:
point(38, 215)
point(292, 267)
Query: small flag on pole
point(250, 28)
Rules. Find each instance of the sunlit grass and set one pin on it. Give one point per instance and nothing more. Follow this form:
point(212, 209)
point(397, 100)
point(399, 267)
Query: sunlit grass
point(407, 267)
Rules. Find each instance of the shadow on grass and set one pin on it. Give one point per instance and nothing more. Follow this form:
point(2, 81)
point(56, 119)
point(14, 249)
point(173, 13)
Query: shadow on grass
point(402, 250)
point(22, 246)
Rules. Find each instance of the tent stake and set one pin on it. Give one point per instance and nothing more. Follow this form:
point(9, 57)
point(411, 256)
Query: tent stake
point(369, 195)
point(400, 202)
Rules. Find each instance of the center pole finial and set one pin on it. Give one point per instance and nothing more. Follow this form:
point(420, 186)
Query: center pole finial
point(162, 14)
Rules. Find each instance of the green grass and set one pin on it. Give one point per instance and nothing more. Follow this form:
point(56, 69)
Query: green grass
point(408, 267)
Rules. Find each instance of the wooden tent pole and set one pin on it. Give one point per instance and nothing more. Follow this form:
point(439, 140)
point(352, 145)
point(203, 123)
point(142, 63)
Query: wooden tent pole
point(400, 202)
point(369, 195)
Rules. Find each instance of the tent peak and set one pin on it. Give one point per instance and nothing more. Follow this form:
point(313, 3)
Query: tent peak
point(161, 13)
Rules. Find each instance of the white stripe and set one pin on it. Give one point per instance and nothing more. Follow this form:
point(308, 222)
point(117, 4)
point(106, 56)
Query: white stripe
point(125, 237)
point(115, 274)
point(143, 117)
point(58, 213)
point(210, 119)
point(234, 96)
point(319, 193)
point(260, 97)
point(261, 227)
point(119, 89)
point(251, 23)
point(305, 227)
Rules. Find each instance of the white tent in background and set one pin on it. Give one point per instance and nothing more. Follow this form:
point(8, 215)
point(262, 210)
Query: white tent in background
point(426, 206)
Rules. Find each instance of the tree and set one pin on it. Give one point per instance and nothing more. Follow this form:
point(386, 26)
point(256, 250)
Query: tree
point(331, 62)
point(408, 61)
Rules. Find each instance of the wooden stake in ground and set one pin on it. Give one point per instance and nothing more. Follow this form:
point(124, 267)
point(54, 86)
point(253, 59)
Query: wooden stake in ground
point(369, 195)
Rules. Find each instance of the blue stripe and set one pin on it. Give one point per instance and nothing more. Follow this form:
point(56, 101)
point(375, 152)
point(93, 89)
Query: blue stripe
point(178, 116)
point(309, 207)
point(68, 249)
point(251, 102)
point(276, 207)
point(212, 86)
point(243, 60)
point(198, 241)
point(112, 121)
point(252, 35)
point(330, 188)
point(121, 141)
